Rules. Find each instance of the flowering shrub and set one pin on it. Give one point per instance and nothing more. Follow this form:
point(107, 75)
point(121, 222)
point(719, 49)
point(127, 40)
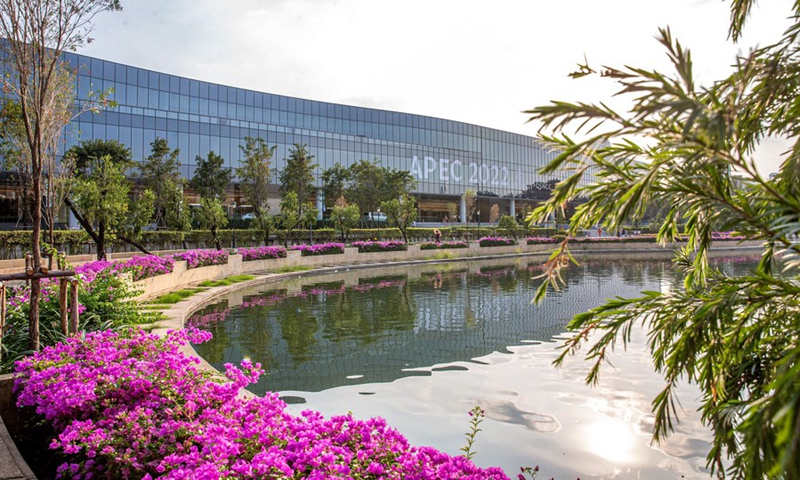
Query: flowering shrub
point(104, 301)
point(539, 240)
point(261, 253)
point(442, 245)
point(131, 405)
point(319, 249)
point(384, 246)
point(144, 266)
point(202, 258)
point(496, 242)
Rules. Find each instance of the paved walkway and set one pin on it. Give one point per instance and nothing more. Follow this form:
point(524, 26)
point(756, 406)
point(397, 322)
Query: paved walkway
point(12, 466)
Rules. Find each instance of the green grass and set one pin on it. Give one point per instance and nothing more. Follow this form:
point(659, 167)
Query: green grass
point(176, 296)
point(296, 268)
point(227, 281)
point(150, 306)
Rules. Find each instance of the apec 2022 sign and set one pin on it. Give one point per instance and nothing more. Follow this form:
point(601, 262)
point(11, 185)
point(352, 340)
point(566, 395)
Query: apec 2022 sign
point(443, 170)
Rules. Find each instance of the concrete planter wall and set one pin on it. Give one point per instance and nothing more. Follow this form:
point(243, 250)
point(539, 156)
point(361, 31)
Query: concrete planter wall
point(182, 277)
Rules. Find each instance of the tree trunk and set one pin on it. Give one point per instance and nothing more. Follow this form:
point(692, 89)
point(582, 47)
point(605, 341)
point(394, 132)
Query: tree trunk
point(216, 239)
point(101, 243)
point(36, 218)
point(86, 226)
point(134, 243)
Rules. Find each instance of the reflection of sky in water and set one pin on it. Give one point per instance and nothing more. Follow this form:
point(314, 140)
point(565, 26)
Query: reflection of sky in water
point(421, 347)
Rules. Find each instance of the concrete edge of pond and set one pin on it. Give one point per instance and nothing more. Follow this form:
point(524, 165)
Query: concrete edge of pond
point(14, 467)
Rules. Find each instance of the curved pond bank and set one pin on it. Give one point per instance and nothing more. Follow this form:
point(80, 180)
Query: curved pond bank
point(178, 314)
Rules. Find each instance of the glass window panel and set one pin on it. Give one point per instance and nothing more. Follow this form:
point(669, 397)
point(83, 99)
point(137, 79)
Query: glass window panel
point(137, 145)
point(184, 85)
point(163, 82)
point(194, 88)
point(141, 78)
point(204, 143)
point(152, 80)
point(194, 105)
point(174, 102)
point(131, 95)
point(184, 103)
point(225, 147)
point(119, 73)
point(152, 99)
point(96, 68)
point(142, 97)
point(163, 100)
point(84, 87)
point(131, 75)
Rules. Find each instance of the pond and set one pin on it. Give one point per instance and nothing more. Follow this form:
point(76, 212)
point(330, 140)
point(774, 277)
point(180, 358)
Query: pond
point(421, 346)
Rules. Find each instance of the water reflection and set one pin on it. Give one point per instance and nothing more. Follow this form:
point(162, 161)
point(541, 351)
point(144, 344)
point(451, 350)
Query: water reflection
point(353, 328)
point(459, 335)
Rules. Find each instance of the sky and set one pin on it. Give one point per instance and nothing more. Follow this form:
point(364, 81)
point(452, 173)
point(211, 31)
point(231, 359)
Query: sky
point(472, 61)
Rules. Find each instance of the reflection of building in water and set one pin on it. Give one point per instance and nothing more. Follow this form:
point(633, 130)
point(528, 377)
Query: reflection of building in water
point(376, 330)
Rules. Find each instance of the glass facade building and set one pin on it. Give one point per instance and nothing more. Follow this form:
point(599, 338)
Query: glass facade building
point(446, 157)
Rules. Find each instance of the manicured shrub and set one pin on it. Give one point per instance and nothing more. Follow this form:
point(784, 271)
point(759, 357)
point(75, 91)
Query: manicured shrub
point(539, 240)
point(131, 405)
point(261, 253)
point(319, 249)
point(384, 246)
point(144, 266)
point(442, 245)
point(496, 242)
point(202, 258)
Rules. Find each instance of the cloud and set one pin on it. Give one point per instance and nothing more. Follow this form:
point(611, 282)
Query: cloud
point(465, 60)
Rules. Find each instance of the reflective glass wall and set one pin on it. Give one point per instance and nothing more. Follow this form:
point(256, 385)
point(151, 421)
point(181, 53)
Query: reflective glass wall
point(445, 156)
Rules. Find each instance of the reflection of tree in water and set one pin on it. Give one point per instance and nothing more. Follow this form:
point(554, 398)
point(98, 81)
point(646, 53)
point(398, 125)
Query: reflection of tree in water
point(363, 315)
point(324, 334)
point(298, 327)
point(212, 319)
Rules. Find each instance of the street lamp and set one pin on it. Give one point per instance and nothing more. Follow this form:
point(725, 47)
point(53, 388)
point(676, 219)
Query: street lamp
point(233, 233)
point(479, 221)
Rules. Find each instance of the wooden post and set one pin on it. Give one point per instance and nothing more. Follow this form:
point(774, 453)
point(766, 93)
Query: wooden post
point(2, 315)
point(63, 284)
point(28, 267)
point(73, 324)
